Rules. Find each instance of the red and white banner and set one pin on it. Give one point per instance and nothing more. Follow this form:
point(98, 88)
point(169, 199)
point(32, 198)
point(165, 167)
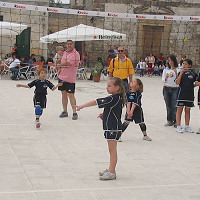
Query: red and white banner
point(97, 13)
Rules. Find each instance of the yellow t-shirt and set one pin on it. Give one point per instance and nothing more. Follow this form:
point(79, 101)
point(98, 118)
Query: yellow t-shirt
point(121, 69)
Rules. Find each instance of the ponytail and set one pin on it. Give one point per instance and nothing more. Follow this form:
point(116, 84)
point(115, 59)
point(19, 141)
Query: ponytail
point(118, 82)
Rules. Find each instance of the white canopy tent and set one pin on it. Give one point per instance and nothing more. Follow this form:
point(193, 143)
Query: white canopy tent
point(82, 33)
point(11, 29)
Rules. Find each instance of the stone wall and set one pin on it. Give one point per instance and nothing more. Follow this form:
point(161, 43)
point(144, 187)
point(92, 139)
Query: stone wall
point(38, 21)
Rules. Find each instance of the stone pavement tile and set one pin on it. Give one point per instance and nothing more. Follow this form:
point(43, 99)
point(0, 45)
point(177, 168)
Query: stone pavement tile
point(79, 195)
point(111, 193)
point(15, 196)
point(48, 195)
point(43, 183)
point(13, 181)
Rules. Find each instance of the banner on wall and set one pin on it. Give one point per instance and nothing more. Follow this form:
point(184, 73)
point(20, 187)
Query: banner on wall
point(98, 13)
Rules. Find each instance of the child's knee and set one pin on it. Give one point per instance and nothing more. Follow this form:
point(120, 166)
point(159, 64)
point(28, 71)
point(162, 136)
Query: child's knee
point(38, 110)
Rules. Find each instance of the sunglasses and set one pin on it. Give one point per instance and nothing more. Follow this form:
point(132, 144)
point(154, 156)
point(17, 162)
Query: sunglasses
point(120, 51)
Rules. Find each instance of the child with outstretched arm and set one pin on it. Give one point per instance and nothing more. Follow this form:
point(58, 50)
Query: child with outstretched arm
point(39, 99)
point(112, 124)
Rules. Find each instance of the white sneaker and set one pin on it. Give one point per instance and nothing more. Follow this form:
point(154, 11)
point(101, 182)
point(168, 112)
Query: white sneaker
point(198, 132)
point(147, 138)
point(101, 173)
point(179, 129)
point(107, 176)
point(188, 129)
point(37, 124)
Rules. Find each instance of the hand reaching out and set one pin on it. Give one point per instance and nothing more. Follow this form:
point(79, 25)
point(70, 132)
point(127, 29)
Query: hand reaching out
point(100, 116)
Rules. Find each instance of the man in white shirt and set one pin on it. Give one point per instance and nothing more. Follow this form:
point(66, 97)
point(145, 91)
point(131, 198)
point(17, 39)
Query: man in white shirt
point(14, 67)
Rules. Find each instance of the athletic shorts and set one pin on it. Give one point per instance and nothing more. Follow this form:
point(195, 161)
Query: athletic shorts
point(68, 87)
point(112, 135)
point(40, 100)
point(185, 104)
point(138, 116)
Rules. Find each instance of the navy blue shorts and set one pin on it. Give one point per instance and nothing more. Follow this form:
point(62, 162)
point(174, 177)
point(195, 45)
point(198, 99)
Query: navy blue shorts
point(112, 135)
point(68, 87)
point(40, 100)
point(185, 104)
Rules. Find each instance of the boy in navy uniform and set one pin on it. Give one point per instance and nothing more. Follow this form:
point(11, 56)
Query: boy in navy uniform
point(39, 98)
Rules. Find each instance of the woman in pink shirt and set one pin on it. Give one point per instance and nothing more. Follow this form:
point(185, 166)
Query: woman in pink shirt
point(67, 75)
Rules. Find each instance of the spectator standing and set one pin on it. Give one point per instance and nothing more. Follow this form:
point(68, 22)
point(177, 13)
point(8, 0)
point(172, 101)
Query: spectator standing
point(170, 89)
point(58, 56)
point(151, 63)
point(141, 66)
point(111, 54)
point(67, 75)
point(121, 67)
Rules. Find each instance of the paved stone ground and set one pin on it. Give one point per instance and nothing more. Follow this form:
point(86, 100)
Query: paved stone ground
point(61, 161)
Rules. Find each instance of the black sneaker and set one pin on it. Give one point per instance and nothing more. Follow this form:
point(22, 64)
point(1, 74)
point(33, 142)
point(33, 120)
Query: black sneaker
point(75, 116)
point(63, 114)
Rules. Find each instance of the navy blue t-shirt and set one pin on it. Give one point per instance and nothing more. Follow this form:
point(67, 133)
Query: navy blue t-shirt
point(112, 112)
point(41, 86)
point(186, 86)
point(134, 98)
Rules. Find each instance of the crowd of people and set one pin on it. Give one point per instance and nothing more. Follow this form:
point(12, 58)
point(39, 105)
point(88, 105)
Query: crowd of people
point(124, 92)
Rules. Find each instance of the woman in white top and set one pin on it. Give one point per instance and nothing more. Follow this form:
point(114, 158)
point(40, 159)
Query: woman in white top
point(170, 89)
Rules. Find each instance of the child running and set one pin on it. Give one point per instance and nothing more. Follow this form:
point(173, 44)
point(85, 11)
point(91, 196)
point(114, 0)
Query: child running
point(198, 84)
point(186, 80)
point(112, 124)
point(134, 110)
point(39, 98)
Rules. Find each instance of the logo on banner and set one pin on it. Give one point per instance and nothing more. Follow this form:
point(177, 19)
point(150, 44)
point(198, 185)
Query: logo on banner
point(19, 6)
point(140, 17)
point(82, 13)
point(194, 18)
point(52, 10)
point(110, 37)
point(36, 8)
point(170, 18)
point(95, 37)
point(112, 15)
point(4, 4)
point(67, 11)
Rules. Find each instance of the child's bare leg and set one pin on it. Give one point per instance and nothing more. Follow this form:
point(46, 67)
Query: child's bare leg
point(112, 146)
point(178, 115)
point(187, 116)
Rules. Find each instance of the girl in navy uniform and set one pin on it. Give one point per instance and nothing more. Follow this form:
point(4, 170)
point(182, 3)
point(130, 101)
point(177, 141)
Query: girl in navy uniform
point(39, 98)
point(134, 110)
point(186, 80)
point(198, 84)
point(112, 124)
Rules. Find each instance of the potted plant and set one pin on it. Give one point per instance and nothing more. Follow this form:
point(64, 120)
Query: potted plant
point(97, 71)
point(96, 75)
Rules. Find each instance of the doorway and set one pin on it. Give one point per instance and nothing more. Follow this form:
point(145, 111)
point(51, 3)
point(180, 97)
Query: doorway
point(152, 39)
point(23, 42)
